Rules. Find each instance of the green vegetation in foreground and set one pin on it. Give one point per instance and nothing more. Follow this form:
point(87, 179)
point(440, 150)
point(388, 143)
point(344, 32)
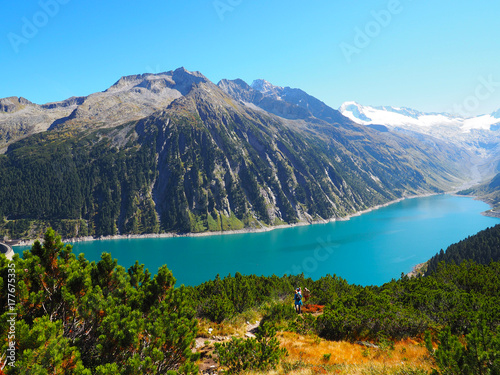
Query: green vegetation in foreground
point(77, 317)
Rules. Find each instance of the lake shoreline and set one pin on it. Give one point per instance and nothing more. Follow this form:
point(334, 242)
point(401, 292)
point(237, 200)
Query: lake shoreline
point(418, 269)
point(220, 233)
point(371, 249)
point(493, 212)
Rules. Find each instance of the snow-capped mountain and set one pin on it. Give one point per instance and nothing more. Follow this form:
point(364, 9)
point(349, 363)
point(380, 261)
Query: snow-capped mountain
point(411, 119)
point(479, 135)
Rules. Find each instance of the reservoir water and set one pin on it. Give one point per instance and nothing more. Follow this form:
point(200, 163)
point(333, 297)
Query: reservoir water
point(369, 249)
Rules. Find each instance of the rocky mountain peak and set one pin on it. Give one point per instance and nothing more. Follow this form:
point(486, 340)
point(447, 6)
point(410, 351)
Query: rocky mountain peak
point(240, 90)
point(13, 104)
point(127, 81)
point(235, 83)
point(180, 79)
point(286, 102)
point(130, 98)
point(183, 72)
point(265, 87)
point(184, 79)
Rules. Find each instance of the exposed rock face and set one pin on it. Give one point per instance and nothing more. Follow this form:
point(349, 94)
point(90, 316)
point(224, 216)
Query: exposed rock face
point(285, 102)
point(13, 104)
point(268, 100)
point(20, 118)
point(73, 101)
point(130, 98)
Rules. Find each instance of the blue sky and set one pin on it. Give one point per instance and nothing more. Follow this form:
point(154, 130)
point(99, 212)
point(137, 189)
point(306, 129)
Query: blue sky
point(428, 55)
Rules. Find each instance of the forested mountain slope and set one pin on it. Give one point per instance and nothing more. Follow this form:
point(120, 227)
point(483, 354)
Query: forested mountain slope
point(482, 248)
point(205, 161)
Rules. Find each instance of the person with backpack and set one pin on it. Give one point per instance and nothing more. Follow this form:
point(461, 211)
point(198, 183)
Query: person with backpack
point(298, 301)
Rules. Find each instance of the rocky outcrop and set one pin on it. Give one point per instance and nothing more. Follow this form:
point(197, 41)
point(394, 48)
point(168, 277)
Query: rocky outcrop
point(286, 102)
point(13, 104)
point(131, 98)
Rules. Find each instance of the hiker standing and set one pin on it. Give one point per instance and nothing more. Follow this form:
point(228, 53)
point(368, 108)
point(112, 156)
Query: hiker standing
point(298, 301)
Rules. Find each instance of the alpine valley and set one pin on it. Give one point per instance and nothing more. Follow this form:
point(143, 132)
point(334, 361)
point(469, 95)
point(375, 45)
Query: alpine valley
point(479, 135)
point(174, 152)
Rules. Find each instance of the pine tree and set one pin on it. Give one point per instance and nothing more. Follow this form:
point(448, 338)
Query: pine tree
point(76, 317)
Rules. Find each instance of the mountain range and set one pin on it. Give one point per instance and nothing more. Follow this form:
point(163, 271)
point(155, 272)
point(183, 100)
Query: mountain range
point(479, 134)
point(406, 117)
point(174, 152)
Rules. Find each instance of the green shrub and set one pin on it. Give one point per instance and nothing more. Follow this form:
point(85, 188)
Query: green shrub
point(305, 325)
point(217, 308)
point(368, 317)
point(480, 354)
point(260, 353)
point(279, 312)
point(80, 317)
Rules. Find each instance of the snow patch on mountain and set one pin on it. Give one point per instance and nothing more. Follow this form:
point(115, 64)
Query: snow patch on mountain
point(484, 122)
point(411, 119)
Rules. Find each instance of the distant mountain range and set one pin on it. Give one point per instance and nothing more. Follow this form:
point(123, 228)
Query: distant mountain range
point(174, 152)
point(479, 135)
point(407, 117)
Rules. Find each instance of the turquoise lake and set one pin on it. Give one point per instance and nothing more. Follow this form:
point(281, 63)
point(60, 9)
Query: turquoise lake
point(370, 249)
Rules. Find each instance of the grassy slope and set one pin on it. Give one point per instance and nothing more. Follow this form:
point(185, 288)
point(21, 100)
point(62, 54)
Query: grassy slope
point(310, 354)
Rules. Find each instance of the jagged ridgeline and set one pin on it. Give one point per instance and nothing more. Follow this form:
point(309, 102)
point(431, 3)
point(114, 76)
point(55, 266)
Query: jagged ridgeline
point(195, 157)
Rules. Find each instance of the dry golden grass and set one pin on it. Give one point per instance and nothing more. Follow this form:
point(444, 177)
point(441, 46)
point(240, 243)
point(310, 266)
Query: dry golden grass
point(310, 355)
point(307, 354)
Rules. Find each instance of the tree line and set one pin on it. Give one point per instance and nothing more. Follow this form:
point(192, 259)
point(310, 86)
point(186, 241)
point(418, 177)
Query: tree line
point(482, 248)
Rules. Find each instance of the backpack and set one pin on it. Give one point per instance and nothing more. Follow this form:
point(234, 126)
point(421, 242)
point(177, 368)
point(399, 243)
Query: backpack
point(298, 297)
